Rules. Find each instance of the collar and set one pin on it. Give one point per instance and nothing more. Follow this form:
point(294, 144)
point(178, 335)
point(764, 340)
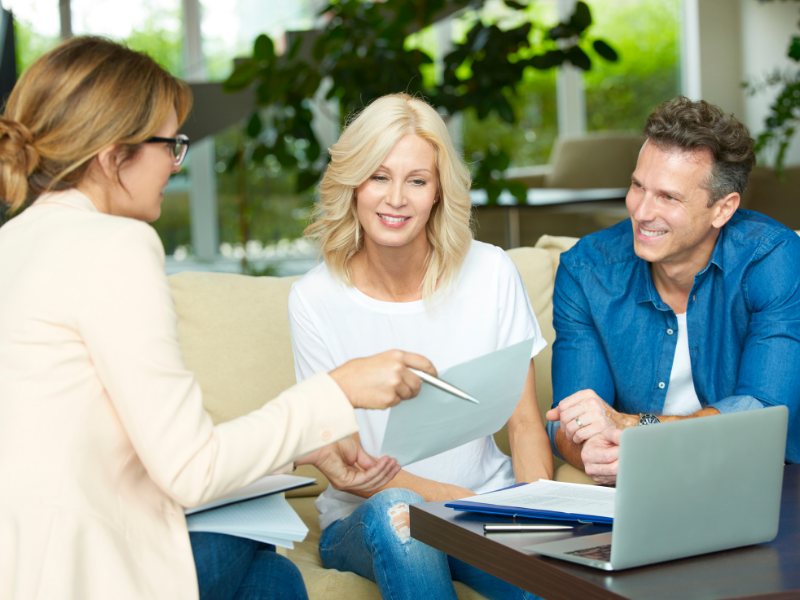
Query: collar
point(646, 288)
point(73, 198)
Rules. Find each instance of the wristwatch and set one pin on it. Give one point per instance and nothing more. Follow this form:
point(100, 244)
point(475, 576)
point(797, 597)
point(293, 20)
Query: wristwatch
point(647, 419)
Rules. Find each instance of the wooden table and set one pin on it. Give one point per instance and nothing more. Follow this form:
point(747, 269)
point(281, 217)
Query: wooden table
point(770, 571)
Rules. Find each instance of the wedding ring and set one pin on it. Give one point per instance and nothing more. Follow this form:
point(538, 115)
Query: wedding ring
point(578, 421)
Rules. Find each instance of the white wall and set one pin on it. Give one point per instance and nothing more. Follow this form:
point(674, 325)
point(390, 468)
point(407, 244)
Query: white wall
point(767, 30)
point(721, 54)
point(734, 41)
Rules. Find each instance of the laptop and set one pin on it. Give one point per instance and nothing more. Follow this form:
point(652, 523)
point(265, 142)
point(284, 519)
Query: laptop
point(689, 487)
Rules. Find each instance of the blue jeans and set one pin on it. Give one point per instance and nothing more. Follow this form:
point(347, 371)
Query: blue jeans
point(233, 568)
point(375, 542)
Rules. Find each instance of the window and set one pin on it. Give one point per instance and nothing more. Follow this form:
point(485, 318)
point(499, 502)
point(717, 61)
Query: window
point(620, 96)
point(268, 225)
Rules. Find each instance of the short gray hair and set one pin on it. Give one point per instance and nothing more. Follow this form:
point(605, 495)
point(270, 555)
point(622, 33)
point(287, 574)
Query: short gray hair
point(683, 124)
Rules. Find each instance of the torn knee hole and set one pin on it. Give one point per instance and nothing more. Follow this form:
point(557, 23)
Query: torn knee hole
point(401, 520)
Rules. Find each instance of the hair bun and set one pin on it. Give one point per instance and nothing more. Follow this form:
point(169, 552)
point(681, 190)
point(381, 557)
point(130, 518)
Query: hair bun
point(16, 146)
point(18, 160)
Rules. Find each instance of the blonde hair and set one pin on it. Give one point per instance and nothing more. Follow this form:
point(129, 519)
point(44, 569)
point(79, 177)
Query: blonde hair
point(85, 95)
point(362, 147)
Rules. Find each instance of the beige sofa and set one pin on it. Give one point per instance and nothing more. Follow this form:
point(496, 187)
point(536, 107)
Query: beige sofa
point(234, 332)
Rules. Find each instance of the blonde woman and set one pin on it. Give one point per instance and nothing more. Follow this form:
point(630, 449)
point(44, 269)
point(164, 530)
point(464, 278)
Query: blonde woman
point(401, 270)
point(103, 435)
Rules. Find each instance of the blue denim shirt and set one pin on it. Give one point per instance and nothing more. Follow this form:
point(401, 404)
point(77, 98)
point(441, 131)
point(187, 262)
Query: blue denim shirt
point(616, 336)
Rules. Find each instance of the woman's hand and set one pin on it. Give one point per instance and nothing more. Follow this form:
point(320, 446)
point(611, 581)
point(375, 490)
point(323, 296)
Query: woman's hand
point(350, 469)
point(382, 380)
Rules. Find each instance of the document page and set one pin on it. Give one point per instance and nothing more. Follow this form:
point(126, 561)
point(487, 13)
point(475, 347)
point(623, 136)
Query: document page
point(574, 498)
point(436, 421)
point(271, 484)
point(267, 519)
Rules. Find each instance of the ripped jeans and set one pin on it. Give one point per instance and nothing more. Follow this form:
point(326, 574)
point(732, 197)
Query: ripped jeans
point(375, 542)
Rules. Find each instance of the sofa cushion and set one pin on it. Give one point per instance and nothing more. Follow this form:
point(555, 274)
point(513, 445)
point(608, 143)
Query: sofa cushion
point(536, 269)
point(235, 328)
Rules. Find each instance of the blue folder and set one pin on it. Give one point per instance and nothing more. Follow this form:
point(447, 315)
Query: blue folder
point(517, 511)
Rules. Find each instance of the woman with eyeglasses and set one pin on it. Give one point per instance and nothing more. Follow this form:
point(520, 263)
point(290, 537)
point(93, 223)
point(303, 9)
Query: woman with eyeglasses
point(103, 435)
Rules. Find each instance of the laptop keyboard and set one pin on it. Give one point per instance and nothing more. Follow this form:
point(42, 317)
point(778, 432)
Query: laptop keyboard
point(596, 553)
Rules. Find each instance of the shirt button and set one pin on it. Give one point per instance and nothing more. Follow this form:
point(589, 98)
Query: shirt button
point(670, 332)
point(325, 435)
point(661, 385)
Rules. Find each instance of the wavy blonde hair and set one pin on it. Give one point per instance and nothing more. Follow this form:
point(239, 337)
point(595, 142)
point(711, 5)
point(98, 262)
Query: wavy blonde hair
point(86, 94)
point(362, 147)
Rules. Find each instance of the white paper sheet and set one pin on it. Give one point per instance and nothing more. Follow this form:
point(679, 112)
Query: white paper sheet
point(268, 519)
point(436, 421)
point(271, 484)
point(572, 498)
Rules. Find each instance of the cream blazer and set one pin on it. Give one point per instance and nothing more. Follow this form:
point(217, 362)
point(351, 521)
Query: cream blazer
point(103, 435)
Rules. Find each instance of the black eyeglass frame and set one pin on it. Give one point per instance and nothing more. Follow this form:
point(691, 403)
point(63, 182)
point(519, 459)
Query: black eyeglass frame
point(179, 139)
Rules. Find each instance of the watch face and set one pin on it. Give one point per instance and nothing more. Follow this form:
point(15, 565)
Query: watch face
point(648, 419)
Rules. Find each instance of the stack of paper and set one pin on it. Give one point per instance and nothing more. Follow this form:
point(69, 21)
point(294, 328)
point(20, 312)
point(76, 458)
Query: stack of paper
point(546, 499)
point(267, 519)
point(271, 484)
point(257, 512)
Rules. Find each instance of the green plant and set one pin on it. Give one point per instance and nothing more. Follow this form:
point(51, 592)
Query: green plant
point(784, 116)
point(364, 52)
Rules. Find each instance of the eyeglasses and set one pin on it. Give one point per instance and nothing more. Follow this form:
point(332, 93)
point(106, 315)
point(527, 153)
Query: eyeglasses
point(179, 145)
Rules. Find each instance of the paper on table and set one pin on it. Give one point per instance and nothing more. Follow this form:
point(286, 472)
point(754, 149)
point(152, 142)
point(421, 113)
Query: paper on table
point(571, 498)
point(267, 519)
point(271, 484)
point(436, 421)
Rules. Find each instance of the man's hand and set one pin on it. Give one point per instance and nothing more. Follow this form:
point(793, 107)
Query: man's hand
point(584, 414)
point(382, 380)
point(600, 455)
point(350, 469)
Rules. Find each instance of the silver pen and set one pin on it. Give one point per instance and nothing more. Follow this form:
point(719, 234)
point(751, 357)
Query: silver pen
point(442, 385)
point(523, 527)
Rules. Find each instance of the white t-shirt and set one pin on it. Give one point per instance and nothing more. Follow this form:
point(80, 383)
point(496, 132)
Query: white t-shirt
point(681, 395)
point(487, 310)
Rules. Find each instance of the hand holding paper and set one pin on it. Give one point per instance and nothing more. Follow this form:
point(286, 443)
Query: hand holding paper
point(436, 421)
point(382, 380)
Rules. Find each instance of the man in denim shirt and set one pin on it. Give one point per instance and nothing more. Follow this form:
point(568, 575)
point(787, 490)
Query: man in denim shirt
point(690, 308)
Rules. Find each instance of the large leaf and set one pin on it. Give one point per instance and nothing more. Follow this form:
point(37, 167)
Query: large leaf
point(794, 49)
point(579, 58)
point(263, 48)
point(242, 76)
point(253, 125)
point(306, 179)
point(581, 18)
point(604, 50)
point(548, 60)
point(517, 190)
point(260, 152)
